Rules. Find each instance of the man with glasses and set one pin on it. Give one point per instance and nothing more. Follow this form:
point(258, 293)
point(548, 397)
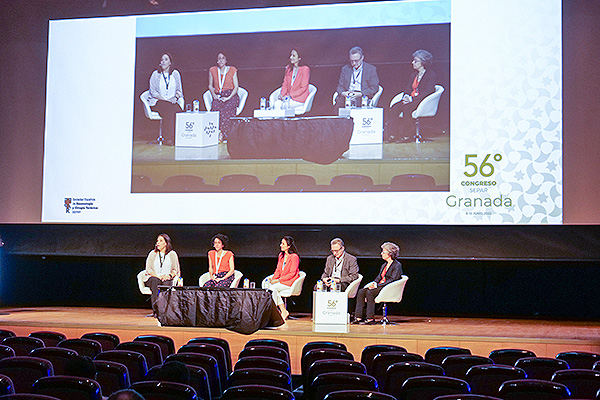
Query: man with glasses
point(341, 268)
point(357, 79)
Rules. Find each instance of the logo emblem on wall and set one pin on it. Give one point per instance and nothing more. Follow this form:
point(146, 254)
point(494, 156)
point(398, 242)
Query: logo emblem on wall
point(331, 303)
point(210, 129)
point(67, 205)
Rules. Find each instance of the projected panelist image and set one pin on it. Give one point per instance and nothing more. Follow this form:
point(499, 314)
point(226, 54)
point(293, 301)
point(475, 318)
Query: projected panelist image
point(390, 271)
point(341, 268)
point(294, 90)
point(357, 79)
point(162, 266)
point(165, 91)
point(420, 84)
point(287, 271)
point(223, 85)
point(221, 267)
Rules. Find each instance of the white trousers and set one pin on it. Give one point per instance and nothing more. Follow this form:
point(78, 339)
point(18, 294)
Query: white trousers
point(276, 288)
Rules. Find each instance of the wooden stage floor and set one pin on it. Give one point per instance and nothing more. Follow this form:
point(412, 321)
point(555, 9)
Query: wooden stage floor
point(417, 334)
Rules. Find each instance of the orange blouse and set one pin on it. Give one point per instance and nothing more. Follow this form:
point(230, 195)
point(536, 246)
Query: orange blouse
point(228, 83)
point(222, 263)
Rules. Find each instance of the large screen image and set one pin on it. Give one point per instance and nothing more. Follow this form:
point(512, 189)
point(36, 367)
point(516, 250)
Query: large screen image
point(396, 112)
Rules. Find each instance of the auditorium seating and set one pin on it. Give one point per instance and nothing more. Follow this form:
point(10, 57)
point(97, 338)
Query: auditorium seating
point(457, 365)
point(224, 344)
point(382, 361)
point(329, 371)
point(50, 339)
point(212, 350)
point(83, 347)
point(487, 379)
point(151, 351)
point(436, 355)
point(369, 353)
point(108, 341)
point(509, 356)
point(22, 345)
point(58, 356)
point(167, 345)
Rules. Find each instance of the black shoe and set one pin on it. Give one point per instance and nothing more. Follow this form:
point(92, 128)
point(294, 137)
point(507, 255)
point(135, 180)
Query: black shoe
point(356, 321)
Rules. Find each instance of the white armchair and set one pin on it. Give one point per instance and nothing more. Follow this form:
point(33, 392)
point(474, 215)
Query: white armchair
point(312, 91)
point(153, 115)
point(391, 293)
point(353, 287)
point(242, 93)
point(294, 290)
point(236, 280)
point(145, 289)
point(427, 107)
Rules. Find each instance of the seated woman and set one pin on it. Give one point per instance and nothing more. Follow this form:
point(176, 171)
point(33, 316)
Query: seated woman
point(295, 83)
point(165, 89)
point(223, 85)
point(420, 84)
point(162, 266)
point(390, 271)
point(286, 273)
point(220, 263)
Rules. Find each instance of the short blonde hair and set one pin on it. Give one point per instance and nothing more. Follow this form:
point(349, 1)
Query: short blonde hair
point(392, 249)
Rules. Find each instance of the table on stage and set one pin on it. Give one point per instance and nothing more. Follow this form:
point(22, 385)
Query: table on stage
point(317, 139)
point(240, 310)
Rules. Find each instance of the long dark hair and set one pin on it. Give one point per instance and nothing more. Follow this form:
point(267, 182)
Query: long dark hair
point(300, 62)
point(168, 240)
point(290, 241)
point(171, 68)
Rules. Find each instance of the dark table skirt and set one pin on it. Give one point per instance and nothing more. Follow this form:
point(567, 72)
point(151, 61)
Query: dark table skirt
point(240, 310)
point(317, 139)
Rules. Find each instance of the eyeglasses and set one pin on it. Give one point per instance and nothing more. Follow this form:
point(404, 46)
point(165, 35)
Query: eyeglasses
point(336, 250)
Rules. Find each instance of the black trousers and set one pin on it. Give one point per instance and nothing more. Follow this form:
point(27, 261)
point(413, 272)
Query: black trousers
point(368, 295)
point(153, 283)
point(396, 126)
point(167, 111)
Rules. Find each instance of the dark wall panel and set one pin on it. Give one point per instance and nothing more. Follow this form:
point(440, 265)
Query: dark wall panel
point(501, 289)
point(427, 242)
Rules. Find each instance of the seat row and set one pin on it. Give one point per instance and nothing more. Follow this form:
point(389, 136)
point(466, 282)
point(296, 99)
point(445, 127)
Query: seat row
point(286, 183)
point(325, 366)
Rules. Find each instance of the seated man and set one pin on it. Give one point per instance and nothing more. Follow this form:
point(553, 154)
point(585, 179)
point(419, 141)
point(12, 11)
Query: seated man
point(357, 79)
point(340, 267)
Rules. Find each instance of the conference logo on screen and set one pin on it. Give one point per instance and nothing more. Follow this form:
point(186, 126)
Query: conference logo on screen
point(210, 129)
point(80, 205)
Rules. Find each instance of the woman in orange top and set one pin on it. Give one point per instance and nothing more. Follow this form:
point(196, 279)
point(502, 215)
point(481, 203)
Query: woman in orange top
point(223, 85)
point(295, 83)
point(286, 273)
point(220, 263)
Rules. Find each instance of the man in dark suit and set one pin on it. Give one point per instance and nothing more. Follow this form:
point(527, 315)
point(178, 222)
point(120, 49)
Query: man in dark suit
point(340, 268)
point(357, 79)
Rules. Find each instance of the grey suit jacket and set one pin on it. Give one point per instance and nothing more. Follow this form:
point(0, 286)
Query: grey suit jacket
point(349, 268)
point(369, 79)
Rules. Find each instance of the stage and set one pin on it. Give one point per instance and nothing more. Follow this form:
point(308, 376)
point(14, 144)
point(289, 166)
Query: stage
point(417, 334)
